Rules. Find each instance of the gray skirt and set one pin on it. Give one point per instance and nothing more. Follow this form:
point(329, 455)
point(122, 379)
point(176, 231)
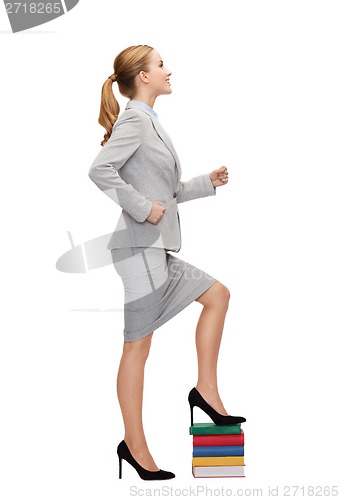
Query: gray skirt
point(157, 286)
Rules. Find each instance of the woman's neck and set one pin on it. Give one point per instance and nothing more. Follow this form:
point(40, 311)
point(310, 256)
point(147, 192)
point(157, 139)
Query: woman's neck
point(150, 101)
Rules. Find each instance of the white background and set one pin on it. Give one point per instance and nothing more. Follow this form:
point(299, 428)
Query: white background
point(255, 87)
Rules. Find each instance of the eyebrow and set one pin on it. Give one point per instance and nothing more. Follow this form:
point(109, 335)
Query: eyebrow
point(161, 60)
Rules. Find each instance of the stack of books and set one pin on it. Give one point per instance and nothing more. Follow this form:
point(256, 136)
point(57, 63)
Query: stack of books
point(218, 450)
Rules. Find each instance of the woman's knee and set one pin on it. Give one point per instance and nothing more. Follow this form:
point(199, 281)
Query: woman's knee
point(216, 294)
point(221, 294)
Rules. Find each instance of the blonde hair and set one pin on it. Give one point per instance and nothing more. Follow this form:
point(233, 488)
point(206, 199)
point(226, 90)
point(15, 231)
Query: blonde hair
point(127, 65)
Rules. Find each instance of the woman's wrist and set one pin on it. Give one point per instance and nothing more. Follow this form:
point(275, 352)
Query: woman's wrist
point(212, 184)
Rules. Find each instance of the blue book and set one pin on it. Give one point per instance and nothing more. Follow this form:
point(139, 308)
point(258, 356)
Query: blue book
point(218, 451)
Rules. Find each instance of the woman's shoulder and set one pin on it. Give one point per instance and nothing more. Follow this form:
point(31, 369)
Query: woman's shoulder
point(133, 117)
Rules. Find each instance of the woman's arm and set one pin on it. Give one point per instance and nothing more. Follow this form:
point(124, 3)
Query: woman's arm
point(123, 143)
point(197, 187)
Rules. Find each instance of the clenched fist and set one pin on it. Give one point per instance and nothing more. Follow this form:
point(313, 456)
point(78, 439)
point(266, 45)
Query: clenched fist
point(157, 212)
point(219, 177)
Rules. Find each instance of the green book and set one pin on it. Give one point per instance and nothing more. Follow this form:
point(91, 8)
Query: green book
point(211, 428)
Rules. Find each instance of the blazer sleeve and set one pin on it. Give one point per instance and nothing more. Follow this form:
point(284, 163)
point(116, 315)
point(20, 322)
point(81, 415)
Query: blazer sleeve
point(124, 141)
point(197, 187)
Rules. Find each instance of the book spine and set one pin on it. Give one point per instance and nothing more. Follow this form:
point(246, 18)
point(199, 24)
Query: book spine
point(212, 461)
point(217, 451)
point(219, 440)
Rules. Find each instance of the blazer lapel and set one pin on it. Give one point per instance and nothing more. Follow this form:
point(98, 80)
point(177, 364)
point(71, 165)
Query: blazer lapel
point(162, 134)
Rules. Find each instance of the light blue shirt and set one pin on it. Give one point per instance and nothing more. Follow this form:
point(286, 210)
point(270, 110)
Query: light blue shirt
point(146, 106)
point(149, 108)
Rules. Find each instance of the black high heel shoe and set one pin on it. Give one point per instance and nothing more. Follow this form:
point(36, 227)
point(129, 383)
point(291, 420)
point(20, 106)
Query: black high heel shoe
point(195, 399)
point(124, 452)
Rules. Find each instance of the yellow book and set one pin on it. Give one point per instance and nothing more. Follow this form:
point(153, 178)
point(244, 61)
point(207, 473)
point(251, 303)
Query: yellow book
point(205, 461)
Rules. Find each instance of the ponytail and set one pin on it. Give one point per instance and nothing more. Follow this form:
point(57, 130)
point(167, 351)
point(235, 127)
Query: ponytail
point(109, 108)
point(128, 63)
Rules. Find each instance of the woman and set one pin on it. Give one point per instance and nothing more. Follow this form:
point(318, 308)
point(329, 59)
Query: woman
point(157, 284)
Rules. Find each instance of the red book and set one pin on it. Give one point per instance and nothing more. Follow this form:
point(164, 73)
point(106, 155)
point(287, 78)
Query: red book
point(218, 439)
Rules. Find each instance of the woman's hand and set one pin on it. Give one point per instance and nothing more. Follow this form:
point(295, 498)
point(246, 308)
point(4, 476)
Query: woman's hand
point(219, 177)
point(156, 213)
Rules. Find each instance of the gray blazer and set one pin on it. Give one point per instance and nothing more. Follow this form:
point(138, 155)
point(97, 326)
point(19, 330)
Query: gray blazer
point(149, 170)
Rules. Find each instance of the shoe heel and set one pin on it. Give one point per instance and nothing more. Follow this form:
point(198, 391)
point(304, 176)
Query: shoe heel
point(192, 417)
point(120, 467)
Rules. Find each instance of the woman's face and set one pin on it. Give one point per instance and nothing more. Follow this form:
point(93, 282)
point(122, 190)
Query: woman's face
point(158, 75)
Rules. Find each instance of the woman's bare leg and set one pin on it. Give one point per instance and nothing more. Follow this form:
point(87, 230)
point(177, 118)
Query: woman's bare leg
point(130, 384)
point(208, 339)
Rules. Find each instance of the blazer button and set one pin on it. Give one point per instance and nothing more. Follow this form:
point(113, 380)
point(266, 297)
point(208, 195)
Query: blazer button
point(174, 195)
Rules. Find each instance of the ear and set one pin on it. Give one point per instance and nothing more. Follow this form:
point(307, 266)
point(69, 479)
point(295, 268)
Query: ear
point(143, 76)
